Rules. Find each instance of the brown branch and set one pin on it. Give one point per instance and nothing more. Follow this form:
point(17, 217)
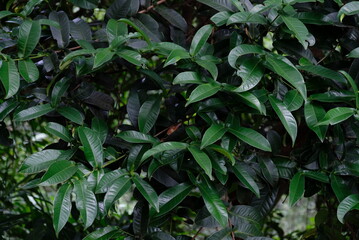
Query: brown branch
point(199, 230)
point(152, 6)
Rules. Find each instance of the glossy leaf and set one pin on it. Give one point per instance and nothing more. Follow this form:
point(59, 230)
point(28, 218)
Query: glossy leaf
point(172, 17)
point(350, 8)
point(166, 146)
point(175, 56)
point(240, 170)
point(241, 50)
point(349, 203)
point(136, 137)
point(62, 35)
point(339, 187)
point(293, 100)
point(59, 90)
point(148, 114)
point(62, 207)
point(58, 172)
point(201, 92)
point(313, 113)
point(220, 18)
point(105, 233)
point(251, 72)
point(92, 146)
point(102, 56)
point(285, 117)
point(86, 4)
point(7, 107)
point(59, 131)
point(209, 66)
point(247, 17)
point(29, 36)
point(202, 159)
point(187, 77)
point(40, 161)
point(119, 187)
point(336, 115)
point(108, 179)
point(212, 135)
point(72, 114)
point(252, 138)
point(100, 126)
point(33, 112)
point(298, 28)
point(9, 77)
point(199, 39)
point(28, 70)
point(219, 5)
point(296, 188)
point(147, 191)
point(86, 202)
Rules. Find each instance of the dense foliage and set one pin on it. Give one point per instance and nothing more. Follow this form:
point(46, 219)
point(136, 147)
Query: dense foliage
point(204, 113)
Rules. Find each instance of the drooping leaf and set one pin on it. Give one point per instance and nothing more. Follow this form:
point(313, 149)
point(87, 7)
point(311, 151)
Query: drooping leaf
point(59, 131)
point(213, 202)
point(241, 50)
point(252, 101)
point(251, 72)
point(92, 146)
point(209, 66)
point(202, 159)
point(149, 26)
point(336, 115)
point(108, 179)
point(241, 171)
point(62, 35)
point(269, 170)
point(212, 134)
point(119, 187)
point(296, 188)
point(28, 70)
point(9, 77)
point(29, 36)
point(62, 207)
point(33, 112)
point(58, 172)
point(148, 114)
point(86, 202)
point(285, 117)
point(72, 114)
point(59, 90)
point(252, 138)
point(313, 113)
point(147, 191)
point(349, 203)
point(298, 28)
point(199, 39)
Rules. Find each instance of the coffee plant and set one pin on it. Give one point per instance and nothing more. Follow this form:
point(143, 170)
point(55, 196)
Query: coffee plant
point(203, 113)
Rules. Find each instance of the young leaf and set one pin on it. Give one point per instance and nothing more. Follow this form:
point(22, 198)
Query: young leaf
point(58, 172)
point(92, 146)
point(202, 159)
point(241, 171)
point(296, 188)
point(336, 115)
point(213, 202)
point(313, 113)
point(252, 138)
point(202, 91)
point(72, 114)
point(285, 117)
point(59, 131)
point(117, 189)
point(28, 70)
point(199, 39)
point(148, 114)
point(349, 203)
point(29, 36)
point(33, 112)
point(147, 191)
point(62, 207)
point(86, 202)
point(212, 134)
point(9, 77)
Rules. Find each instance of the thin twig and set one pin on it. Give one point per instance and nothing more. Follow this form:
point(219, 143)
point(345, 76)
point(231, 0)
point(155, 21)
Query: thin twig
point(152, 6)
point(199, 230)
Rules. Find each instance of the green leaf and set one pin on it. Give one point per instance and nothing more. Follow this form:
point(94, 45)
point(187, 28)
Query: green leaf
point(136, 137)
point(241, 50)
point(99, 125)
point(219, 5)
point(102, 56)
point(173, 196)
point(251, 72)
point(200, 38)
point(175, 56)
point(212, 135)
point(288, 72)
point(319, 176)
point(9, 77)
point(130, 56)
point(29, 7)
point(62, 35)
point(333, 96)
point(269, 170)
point(298, 28)
point(293, 100)
point(209, 66)
point(285, 117)
point(202, 159)
point(119, 187)
point(202, 91)
point(187, 78)
point(354, 53)
point(336, 115)
point(166, 146)
point(313, 113)
point(29, 36)
point(252, 138)
point(108, 180)
point(33, 112)
point(7, 107)
point(241, 171)
point(354, 87)
point(58, 172)
point(224, 152)
point(4, 14)
point(220, 18)
point(340, 187)
point(349, 203)
point(86, 4)
point(86, 202)
point(172, 17)
point(59, 131)
point(148, 114)
point(105, 233)
point(213, 202)
point(92, 146)
point(40, 161)
point(296, 188)
point(147, 191)
point(44, 21)
point(242, 216)
point(59, 90)
point(323, 72)
point(28, 70)
point(115, 29)
point(62, 207)
point(349, 9)
point(252, 101)
point(247, 17)
point(72, 114)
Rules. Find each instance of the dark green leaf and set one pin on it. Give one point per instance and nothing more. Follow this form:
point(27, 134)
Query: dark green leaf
point(269, 170)
point(202, 91)
point(59, 131)
point(251, 72)
point(199, 39)
point(102, 56)
point(336, 115)
point(220, 18)
point(175, 56)
point(241, 171)
point(100, 126)
point(140, 219)
point(72, 114)
point(29, 36)
point(172, 17)
point(7, 107)
point(62, 207)
point(86, 4)
point(209, 66)
point(313, 113)
point(136, 137)
point(130, 56)
point(219, 5)
point(247, 17)
point(252, 101)
point(349, 203)
point(319, 176)
point(118, 9)
point(80, 30)
point(298, 28)
point(58, 172)
point(340, 187)
point(296, 188)
point(241, 50)
point(147, 191)
point(59, 90)
point(293, 100)
point(62, 35)
point(149, 26)
point(202, 159)
point(148, 114)
point(105, 233)
point(108, 180)
point(33, 112)
point(115, 29)
point(119, 187)
point(9, 77)
point(28, 70)
point(323, 72)
point(252, 138)
point(188, 77)
point(166, 146)
point(92, 146)
point(212, 135)
point(220, 235)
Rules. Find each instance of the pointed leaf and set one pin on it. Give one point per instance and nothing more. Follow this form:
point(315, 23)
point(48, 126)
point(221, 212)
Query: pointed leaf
point(72, 114)
point(62, 35)
point(166, 146)
point(252, 101)
point(29, 36)
point(199, 39)
point(340, 187)
point(220, 18)
point(136, 137)
point(7, 107)
point(187, 77)
point(28, 70)
point(202, 159)
point(102, 56)
point(293, 100)
point(9, 77)
point(209, 66)
point(247, 17)
point(240, 170)
point(59, 90)
point(202, 91)
point(241, 50)
point(108, 179)
point(117, 189)
point(175, 56)
point(251, 72)
point(172, 17)
point(62, 207)
point(252, 138)
point(105, 233)
point(313, 113)
point(298, 28)
point(147, 191)
point(115, 29)
point(296, 188)
point(148, 114)
point(59, 131)
point(86, 202)
point(212, 135)
point(348, 9)
point(92, 146)
point(58, 172)
point(349, 203)
point(33, 112)
point(336, 115)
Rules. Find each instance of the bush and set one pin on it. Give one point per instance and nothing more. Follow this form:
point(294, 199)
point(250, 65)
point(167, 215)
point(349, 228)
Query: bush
point(202, 113)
